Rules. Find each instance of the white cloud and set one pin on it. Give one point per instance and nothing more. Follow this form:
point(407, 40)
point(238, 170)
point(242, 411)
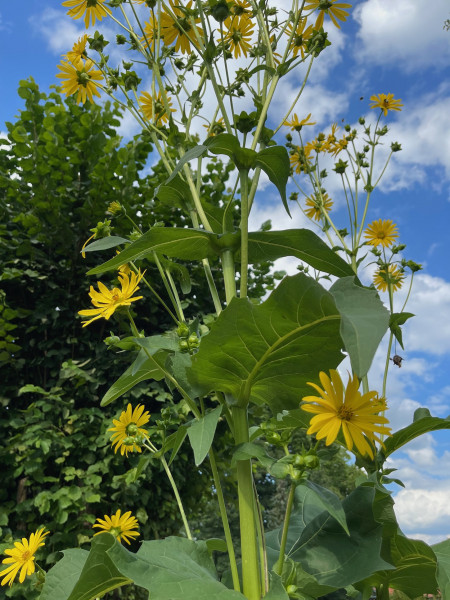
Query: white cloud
point(406, 31)
point(424, 509)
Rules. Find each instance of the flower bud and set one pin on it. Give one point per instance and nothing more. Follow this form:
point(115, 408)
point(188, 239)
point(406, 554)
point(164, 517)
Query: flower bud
point(182, 330)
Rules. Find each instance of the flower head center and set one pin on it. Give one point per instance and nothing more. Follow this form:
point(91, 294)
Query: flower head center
point(324, 5)
point(83, 78)
point(26, 556)
point(298, 41)
point(236, 36)
point(345, 413)
point(132, 429)
point(115, 295)
point(116, 531)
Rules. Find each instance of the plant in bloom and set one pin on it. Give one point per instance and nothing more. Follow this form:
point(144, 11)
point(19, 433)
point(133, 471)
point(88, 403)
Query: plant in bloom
point(128, 432)
point(381, 233)
point(239, 34)
point(78, 51)
point(386, 102)
point(176, 27)
point(91, 9)
point(336, 409)
point(390, 276)
point(155, 106)
point(81, 79)
point(121, 526)
point(335, 10)
point(21, 557)
point(300, 36)
point(296, 124)
point(107, 301)
point(317, 205)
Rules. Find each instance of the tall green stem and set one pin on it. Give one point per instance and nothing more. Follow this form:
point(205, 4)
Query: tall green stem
point(287, 518)
point(177, 496)
point(247, 513)
point(243, 175)
point(225, 523)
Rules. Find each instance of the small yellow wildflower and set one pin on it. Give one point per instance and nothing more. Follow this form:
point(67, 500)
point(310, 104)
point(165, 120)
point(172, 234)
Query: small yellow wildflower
point(386, 102)
point(180, 29)
point(381, 233)
point(121, 526)
point(21, 557)
point(155, 106)
point(107, 300)
point(80, 79)
point(337, 408)
point(78, 51)
point(393, 277)
point(317, 205)
point(238, 34)
point(300, 37)
point(335, 10)
point(91, 9)
point(296, 125)
point(128, 431)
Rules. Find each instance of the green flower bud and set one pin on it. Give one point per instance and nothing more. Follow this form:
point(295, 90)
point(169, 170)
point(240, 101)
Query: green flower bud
point(340, 166)
point(311, 462)
point(193, 340)
point(120, 39)
point(361, 120)
point(299, 460)
point(396, 147)
point(132, 429)
point(184, 346)
point(220, 11)
point(182, 330)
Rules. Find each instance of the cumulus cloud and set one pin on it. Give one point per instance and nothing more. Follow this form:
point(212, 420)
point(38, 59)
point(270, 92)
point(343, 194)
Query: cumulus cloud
point(406, 31)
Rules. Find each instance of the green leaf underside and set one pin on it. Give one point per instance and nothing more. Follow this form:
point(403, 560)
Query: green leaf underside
point(364, 322)
point(189, 244)
point(319, 544)
point(268, 353)
point(415, 568)
point(201, 434)
point(99, 574)
point(105, 243)
point(420, 426)
point(174, 568)
point(442, 553)
point(301, 243)
point(147, 370)
point(329, 502)
point(61, 579)
point(274, 161)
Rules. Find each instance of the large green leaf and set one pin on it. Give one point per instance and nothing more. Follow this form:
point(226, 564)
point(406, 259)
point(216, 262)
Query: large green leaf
point(423, 423)
point(267, 353)
point(317, 542)
point(442, 553)
point(190, 244)
point(415, 568)
point(175, 193)
point(276, 590)
point(301, 243)
point(62, 577)
point(274, 161)
point(146, 370)
point(364, 321)
point(174, 568)
point(328, 501)
point(201, 434)
point(99, 573)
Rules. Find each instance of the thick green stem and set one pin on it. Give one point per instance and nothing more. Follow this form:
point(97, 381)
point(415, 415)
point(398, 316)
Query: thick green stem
point(247, 512)
point(225, 523)
point(287, 517)
point(243, 175)
point(229, 275)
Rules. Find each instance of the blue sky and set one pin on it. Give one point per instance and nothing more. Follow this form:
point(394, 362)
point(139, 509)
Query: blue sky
point(385, 47)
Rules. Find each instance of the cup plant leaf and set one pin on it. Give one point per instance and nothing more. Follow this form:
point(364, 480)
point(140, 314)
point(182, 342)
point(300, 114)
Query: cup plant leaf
point(267, 353)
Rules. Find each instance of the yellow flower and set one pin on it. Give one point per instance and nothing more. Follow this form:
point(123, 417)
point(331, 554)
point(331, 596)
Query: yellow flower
point(78, 51)
point(81, 79)
point(21, 557)
point(381, 233)
point(295, 124)
point(128, 433)
point(177, 30)
point(147, 102)
point(394, 277)
point(335, 10)
point(114, 207)
point(386, 102)
point(150, 32)
point(299, 159)
point(317, 204)
point(335, 146)
point(121, 526)
point(242, 7)
point(238, 34)
point(216, 127)
point(107, 300)
point(94, 9)
point(300, 37)
point(337, 408)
